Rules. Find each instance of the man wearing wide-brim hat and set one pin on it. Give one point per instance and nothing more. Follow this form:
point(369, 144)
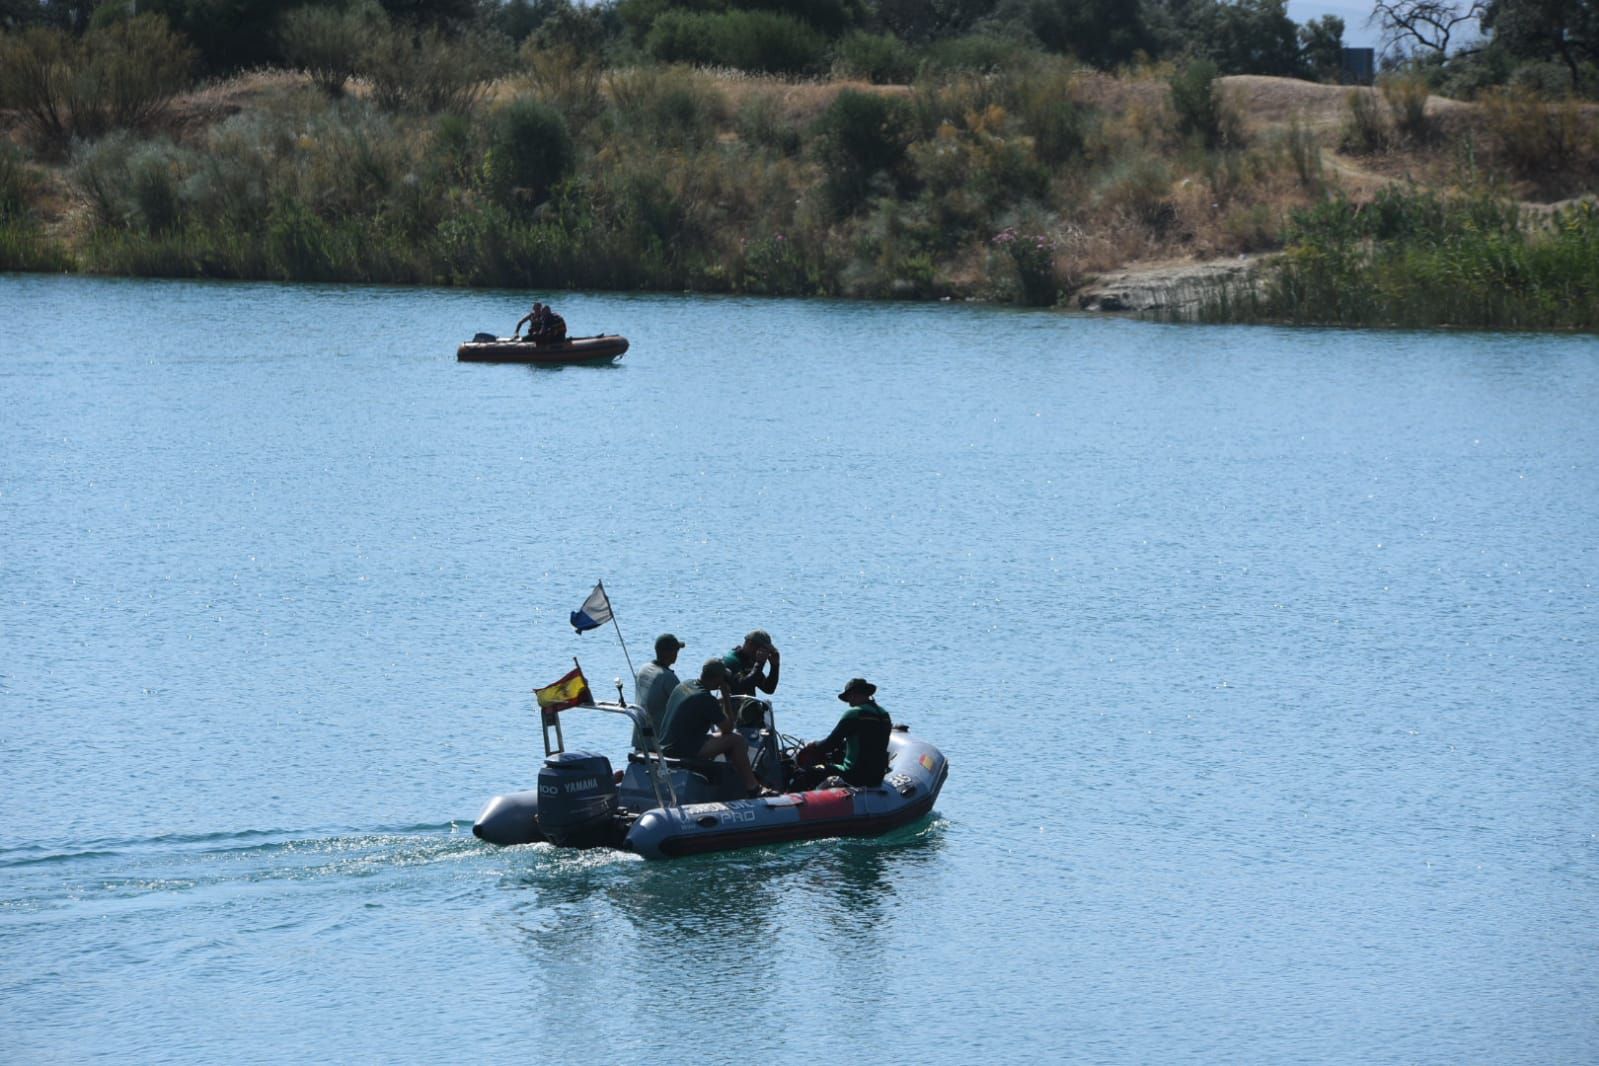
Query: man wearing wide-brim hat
point(857, 748)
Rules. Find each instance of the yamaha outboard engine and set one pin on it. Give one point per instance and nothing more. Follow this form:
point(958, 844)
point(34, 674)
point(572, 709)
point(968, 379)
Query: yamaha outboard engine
point(578, 806)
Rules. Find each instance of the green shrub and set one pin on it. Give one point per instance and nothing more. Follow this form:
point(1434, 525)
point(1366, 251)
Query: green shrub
point(1046, 102)
point(1365, 132)
point(745, 40)
point(762, 123)
point(566, 78)
point(979, 53)
point(153, 186)
point(17, 183)
point(1407, 105)
point(1549, 143)
point(1202, 112)
point(669, 106)
point(430, 71)
point(530, 150)
point(1032, 256)
point(119, 75)
point(858, 137)
point(328, 43)
point(1303, 152)
point(880, 58)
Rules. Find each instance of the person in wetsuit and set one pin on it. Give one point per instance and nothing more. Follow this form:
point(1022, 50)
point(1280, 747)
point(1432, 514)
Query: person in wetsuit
point(857, 748)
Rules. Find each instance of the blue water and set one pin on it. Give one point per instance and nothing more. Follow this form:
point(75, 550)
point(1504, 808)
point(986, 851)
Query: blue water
point(1264, 661)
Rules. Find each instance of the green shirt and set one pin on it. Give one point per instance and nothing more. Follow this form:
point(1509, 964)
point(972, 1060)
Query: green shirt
point(864, 731)
point(690, 714)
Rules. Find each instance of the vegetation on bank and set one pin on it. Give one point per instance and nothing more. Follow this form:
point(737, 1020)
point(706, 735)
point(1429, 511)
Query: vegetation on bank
point(1418, 259)
point(594, 155)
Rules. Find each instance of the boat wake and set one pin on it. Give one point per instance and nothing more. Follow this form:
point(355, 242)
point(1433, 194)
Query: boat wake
point(41, 879)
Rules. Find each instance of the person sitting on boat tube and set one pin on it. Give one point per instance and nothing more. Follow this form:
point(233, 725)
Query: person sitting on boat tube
point(856, 749)
point(753, 665)
point(697, 706)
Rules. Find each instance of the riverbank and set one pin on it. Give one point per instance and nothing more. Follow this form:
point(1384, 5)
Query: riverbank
point(1049, 185)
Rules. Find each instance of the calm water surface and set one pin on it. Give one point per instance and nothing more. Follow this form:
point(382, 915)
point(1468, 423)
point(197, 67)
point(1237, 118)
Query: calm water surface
point(1264, 660)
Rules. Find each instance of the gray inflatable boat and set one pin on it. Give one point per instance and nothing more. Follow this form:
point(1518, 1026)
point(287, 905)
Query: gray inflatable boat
point(661, 807)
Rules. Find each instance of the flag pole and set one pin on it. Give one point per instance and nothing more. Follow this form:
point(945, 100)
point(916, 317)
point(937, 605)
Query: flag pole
point(619, 639)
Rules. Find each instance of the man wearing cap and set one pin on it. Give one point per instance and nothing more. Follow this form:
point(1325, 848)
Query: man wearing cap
point(697, 706)
point(861, 736)
point(654, 684)
point(753, 665)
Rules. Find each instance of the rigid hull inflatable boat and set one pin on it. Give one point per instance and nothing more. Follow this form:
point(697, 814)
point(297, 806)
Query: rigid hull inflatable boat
point(661, 807)
point(488, 349)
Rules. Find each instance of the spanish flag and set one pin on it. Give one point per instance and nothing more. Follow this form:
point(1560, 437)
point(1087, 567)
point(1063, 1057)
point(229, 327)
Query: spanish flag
point(571, 691)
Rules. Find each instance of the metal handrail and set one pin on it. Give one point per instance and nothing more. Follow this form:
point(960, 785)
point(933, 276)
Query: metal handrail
point(653, 758)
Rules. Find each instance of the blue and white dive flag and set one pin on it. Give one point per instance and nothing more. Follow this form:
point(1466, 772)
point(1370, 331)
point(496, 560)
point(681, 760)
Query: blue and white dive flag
point(595, 612)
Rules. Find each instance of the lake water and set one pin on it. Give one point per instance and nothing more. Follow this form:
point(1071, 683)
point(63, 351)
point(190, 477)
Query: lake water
point(1264, 661)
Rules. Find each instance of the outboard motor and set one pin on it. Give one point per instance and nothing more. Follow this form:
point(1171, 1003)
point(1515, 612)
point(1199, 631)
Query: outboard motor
point(578, 806)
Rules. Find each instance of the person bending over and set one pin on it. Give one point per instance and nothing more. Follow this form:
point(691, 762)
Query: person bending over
point(695, 708)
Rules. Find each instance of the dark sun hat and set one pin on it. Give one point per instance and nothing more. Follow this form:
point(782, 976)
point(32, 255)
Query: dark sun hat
point(858, 684)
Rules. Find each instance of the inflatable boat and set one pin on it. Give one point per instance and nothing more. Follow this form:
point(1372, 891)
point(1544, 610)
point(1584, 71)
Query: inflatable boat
point(485, 348)
point(661, 807)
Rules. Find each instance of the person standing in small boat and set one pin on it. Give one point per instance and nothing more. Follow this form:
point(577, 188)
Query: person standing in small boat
point(533, 320)
point(696, 707)
point(856, 749)
point(753, 665)
point(655, 683)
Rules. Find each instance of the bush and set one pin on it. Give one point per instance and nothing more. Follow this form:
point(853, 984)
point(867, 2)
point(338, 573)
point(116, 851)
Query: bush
point(567, 78)
point(981, 53)
point(153, 187)
point(1535, 140)
point(668, 106)
point(120, 75)
point(17, 183)
point(429, 71)
point(745, 40)
point(763, 124)
point(530, 150)
point(1032, 255)
point(1046, 102)
point(328, 43)
point(1365, 133)
point(880, 58)
point(1407, 104)
point(1202, 112)
point(1304, 153)
point(859, 136)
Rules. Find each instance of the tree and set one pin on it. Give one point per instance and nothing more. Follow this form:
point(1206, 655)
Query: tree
point(1245, 36)
point(1427, 26)
point(1321, 47)
point(1103, 33)
point(1563, 30)
point(919, 21)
